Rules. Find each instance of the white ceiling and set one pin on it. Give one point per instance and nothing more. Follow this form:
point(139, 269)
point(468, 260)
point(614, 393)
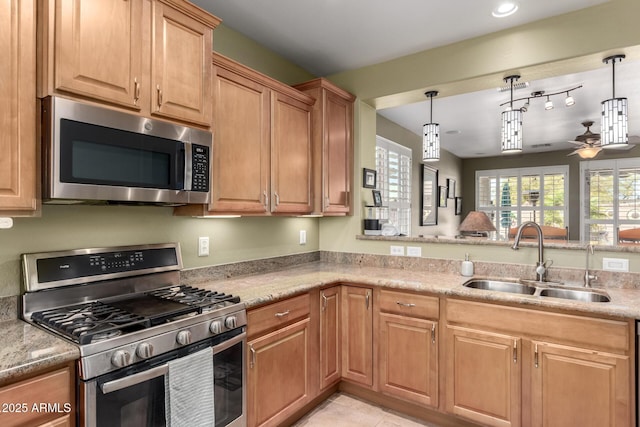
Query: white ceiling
point(330, 36)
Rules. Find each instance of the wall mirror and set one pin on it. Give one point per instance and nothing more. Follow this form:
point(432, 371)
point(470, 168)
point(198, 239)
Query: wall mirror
point(429, 196)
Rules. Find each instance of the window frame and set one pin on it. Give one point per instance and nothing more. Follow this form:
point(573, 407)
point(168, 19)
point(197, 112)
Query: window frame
point(383, 187)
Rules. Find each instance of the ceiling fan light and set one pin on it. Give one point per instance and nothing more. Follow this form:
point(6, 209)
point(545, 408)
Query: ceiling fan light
point(588, 152)
point(431, 142)
point(511, 131)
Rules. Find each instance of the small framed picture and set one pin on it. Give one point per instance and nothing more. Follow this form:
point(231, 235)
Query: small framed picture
point(442, 196)
point(451, 188)
point(377, 198)
point(368, 178)
point(458, 205)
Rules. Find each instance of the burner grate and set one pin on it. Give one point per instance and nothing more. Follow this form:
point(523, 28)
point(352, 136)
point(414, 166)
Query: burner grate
point(85, 323)
point(195, 297)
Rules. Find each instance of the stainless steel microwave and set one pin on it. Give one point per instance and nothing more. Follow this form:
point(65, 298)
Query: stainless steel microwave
point(94, 154)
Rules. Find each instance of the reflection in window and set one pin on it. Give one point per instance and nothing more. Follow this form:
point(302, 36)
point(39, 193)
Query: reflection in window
point(513, 196)
point(612, 191)
point(393, 167)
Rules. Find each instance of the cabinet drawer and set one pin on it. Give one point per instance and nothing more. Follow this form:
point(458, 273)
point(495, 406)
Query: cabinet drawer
point(407, 304)
point(277, 314)
point(51, 390)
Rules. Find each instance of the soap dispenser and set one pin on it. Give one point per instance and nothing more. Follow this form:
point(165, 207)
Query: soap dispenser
point(467, 266)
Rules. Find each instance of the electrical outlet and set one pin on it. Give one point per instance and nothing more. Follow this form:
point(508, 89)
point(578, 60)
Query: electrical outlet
point(397, 250)
point(203, 246)
point(303, 237)
point(6, 222)
point(414, 251)
point(615, 264)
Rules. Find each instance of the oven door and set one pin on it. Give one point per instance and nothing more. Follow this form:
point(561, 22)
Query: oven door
point(230, 381)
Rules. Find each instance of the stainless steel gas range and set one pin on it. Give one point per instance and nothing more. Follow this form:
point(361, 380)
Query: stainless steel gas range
point(139, 332)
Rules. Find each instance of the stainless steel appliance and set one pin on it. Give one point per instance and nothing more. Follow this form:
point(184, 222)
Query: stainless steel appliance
point(127, 312)
point(92, 153)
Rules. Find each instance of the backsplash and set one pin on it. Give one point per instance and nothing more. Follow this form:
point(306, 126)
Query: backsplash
point(569, 276)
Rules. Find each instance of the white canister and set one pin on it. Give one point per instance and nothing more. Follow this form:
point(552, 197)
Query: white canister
point(466, 268)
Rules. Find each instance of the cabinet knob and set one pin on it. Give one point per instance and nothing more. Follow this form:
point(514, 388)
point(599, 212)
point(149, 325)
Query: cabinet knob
point(159, 96)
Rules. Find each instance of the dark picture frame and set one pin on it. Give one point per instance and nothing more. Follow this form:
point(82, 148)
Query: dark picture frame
point(442, 196)
point(429, 196)
point(368, 178)
point(451, 188)
point(377, 198)
point(458, 206)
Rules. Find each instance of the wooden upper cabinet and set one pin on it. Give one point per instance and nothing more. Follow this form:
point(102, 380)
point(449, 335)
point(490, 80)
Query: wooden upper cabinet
point(18, 108)
point(98, 49)
point(149, 56)
point(332, 147)
point(181, 66)
point(290, 155)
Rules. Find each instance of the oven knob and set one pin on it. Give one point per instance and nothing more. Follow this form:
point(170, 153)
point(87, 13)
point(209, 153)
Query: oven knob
point(230, 322)
point(144, 350)
point(184, 337)
point(121, 358)
point(216, 327)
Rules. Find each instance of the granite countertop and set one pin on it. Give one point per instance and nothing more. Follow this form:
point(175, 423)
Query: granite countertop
point(28, 349)
point(259, 289)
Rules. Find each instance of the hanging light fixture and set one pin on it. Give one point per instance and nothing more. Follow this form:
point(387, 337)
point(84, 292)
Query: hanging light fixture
point(569, 101)
point(511, 124)
point(431, 135)
point(614, 129)
point(549, 104)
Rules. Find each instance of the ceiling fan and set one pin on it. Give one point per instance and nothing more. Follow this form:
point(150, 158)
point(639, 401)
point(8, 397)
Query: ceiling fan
point(589, 143)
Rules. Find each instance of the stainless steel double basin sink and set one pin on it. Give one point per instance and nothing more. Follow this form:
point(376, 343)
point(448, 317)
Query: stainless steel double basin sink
point(538, 289)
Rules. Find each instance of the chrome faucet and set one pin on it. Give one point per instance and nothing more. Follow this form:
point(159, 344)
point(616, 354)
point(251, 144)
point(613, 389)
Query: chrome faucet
point(587, 276)
point(541, 269)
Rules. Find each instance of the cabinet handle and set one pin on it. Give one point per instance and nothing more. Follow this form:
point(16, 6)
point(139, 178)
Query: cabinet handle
point(284, 313)
point(266, 200)
point(159, 96)
point(405, 304)
point(253, 357)
point(433, 333)
point(324, 301)
point(535, 356)
point(515, 351)
point(136, 90)
point(277, 198)
point(366, 300)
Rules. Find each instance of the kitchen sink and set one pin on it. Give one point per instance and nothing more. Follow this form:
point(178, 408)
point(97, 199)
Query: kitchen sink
point(541, 289)
point(574, 294)
point(500, 286)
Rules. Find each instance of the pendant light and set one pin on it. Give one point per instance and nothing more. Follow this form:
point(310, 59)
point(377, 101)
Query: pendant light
point(431, 135)
point(511, 124)
point(614, 129)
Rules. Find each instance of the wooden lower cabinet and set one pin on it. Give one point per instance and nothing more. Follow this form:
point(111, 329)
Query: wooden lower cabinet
point(357, 335)
point(45, 400)
point(483, 376)
point(330, 348)
point(575, 386)
point(278, 374)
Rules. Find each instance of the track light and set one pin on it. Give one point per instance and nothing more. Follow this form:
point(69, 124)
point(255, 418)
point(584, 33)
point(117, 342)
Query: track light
point(569, 101)
point(525, 107)
point(549, 104)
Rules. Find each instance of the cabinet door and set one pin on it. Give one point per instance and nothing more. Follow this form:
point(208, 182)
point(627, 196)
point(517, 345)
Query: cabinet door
point(278, 375)
point(409, 358)
point(330, 354)
point(572, 386)
point(290, 155)
point(483, 376)
point(240, 172)
point(357, 335)
point(17, 107)
point(337, 154)
point(181, 66)
point(99, 49)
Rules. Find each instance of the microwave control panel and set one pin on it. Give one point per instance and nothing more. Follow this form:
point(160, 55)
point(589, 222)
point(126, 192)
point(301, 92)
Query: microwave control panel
point(200, 168)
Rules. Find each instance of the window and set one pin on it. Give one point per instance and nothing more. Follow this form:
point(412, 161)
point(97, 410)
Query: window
point(611, 189)
point(513, 196)
point(393, 167)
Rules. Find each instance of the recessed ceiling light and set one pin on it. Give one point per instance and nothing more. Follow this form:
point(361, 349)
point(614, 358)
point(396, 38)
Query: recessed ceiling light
point(505, 9)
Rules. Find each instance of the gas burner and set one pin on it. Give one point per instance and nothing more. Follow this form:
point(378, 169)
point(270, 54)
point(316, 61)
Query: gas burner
point(99, 336)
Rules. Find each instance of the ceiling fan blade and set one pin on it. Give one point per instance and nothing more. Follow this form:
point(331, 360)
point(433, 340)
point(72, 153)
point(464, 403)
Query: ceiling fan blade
point(573, 152)
point(576, 142)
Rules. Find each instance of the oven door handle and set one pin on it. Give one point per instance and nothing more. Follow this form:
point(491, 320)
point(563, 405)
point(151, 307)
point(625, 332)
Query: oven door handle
point(130, 380)
point(229, 343)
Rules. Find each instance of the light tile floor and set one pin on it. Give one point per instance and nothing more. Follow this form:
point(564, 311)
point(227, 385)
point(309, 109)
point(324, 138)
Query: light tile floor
point(344, 410)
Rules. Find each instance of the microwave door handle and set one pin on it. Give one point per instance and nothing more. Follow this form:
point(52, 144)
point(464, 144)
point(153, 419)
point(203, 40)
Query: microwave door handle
point(188, 166)
point(130, 380)
point(229, 343)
